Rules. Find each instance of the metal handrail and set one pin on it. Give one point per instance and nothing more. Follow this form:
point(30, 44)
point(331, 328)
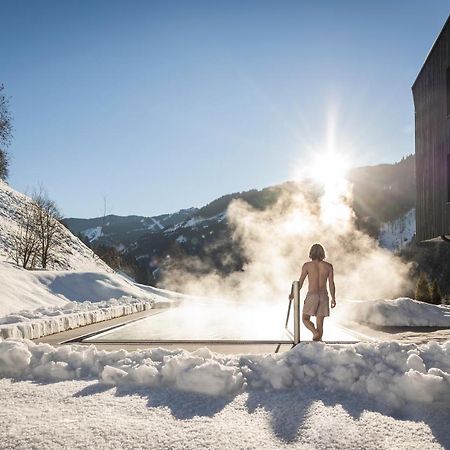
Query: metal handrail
point(295, 290)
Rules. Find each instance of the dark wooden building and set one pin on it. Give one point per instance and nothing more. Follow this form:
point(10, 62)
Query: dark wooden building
point(431, 92)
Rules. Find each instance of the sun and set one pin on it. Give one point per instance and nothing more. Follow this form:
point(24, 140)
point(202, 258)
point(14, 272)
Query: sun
point(329, 169)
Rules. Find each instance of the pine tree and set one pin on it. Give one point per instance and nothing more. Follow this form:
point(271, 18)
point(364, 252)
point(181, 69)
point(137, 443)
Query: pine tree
point(423, 293)
point(436, 296)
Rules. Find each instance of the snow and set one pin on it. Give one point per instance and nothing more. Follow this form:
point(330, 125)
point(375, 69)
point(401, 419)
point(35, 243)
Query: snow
point(390, 373)
point(221, 217)
point(93, 233)
point(152, 224)
point(193, 221)
point(84, 414)
point(94, 286)
point(23, 289)
point(157, 223)
point(49, 320)
point(394, 235)
point(196, 221)
point(401, 312)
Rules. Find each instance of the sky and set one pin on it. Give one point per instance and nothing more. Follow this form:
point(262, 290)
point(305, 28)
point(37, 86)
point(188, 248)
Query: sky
point(158, 106)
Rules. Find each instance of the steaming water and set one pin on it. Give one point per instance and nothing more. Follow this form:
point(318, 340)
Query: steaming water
point(202, 320)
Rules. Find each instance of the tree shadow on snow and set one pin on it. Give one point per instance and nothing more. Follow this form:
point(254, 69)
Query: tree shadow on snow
point(93, 389)
point(290, 408)
point(182, 405)
point(435, 415)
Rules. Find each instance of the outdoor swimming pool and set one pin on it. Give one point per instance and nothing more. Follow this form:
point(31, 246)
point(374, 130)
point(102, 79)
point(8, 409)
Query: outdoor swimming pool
point(221, 321)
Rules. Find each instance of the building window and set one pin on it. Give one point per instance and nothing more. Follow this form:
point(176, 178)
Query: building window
point(448, 91)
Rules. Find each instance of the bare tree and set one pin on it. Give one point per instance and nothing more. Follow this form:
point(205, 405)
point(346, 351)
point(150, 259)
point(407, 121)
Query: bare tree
point(26, 240)
point(48, 226)
point(39, 232)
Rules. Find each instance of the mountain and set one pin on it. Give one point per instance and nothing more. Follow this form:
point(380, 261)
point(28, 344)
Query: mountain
point(119, 230)
point(382, 194)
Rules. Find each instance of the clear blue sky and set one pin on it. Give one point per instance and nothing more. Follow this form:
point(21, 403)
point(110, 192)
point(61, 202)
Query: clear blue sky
point(165, 105)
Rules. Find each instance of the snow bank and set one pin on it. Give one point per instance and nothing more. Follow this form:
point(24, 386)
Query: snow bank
point(399, 312)
point(24, 289)
point(49, 320)
point(95, 286)
point(391, 373)
point(21, 289)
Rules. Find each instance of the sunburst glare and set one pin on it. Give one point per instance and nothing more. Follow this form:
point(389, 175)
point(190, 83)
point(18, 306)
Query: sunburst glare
point(328, 168)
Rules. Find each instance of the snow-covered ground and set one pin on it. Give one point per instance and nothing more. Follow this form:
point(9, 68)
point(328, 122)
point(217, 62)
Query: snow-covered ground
point(84, 414)
point(396, 234)
point(24, 289)
point(315, 396)
point(401, 312)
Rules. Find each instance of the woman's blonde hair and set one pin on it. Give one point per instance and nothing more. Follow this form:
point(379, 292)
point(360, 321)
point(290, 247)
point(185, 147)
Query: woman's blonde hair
point(317, 252)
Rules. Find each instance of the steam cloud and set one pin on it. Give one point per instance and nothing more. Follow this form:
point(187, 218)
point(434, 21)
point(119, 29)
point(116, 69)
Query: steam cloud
point(276, 243)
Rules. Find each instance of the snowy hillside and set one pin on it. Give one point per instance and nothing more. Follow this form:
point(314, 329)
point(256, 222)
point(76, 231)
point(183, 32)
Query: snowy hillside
point(79, 275)
point(397, 233)
point(71, 252)
point(30, 289)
